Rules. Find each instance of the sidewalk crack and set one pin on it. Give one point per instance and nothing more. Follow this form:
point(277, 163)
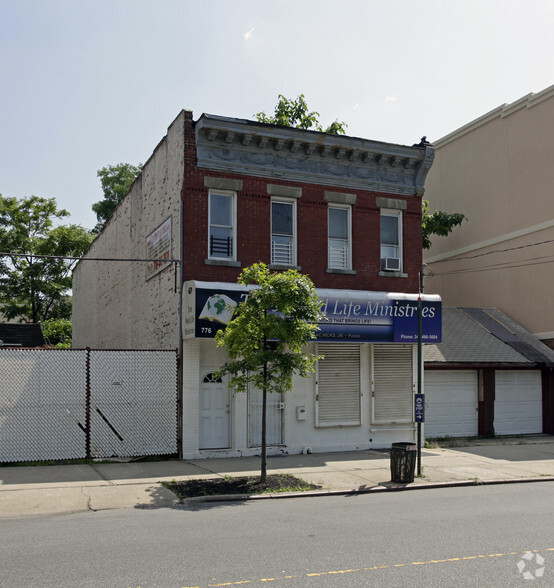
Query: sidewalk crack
point(89, 500)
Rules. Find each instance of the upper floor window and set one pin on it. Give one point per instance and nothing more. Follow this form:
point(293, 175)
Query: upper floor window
point(222, 238)
point(391, 241)
point(339, 241)
point(283, 232)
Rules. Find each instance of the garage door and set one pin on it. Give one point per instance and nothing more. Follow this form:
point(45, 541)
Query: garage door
point(451, 403)
point(518, 402)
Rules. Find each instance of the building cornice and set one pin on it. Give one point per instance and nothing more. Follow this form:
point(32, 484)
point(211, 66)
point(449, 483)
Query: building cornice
point(257, 149)
point(503, 111)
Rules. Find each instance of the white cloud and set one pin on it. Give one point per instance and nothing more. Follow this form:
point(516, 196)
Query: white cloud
point(390, 97)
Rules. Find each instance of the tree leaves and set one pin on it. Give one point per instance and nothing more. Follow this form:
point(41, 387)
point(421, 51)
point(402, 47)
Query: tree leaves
point(294, 113)
point(35, 288)
point(57, 332)
point(438, 223)
point(116, 181)
point(271, 327)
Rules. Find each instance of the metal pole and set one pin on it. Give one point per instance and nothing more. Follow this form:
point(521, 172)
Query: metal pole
point(88, 444)
point(419, 380)
point(180, 347)
point(419, 363)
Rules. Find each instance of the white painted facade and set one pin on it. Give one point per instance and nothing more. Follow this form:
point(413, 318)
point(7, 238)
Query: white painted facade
point(300, 433)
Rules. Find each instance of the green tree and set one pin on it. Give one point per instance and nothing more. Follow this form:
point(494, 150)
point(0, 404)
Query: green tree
point(265, 341)
point(37, 288)
point(295, 113)
point(57, 332)
point(116, 181)
point(438, 223)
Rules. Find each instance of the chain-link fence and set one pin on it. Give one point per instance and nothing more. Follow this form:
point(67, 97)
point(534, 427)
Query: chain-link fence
point(71, 403)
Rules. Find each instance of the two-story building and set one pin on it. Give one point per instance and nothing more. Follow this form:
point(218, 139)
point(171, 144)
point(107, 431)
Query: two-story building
point(219, 194)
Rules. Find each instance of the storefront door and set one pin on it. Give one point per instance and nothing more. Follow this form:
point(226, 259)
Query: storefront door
point(274, 418)
point(214, 412)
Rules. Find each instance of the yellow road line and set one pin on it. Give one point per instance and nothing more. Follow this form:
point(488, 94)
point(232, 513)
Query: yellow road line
point(385, 567)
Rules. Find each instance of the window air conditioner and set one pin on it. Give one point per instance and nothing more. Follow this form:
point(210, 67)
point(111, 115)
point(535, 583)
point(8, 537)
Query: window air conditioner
point(391, 264)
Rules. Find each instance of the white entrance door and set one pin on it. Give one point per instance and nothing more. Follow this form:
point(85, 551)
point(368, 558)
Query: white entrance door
point(518, 402)
point(451, 403)
point(274, 418)
point(214, 413)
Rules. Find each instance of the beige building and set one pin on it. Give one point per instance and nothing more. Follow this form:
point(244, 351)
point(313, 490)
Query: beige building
point(499, 171)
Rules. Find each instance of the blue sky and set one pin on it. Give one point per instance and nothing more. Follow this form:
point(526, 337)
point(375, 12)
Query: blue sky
point(89, 83)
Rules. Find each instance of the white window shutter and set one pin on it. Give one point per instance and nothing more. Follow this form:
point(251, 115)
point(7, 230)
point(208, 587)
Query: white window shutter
point(338, 385)
point(392, 384)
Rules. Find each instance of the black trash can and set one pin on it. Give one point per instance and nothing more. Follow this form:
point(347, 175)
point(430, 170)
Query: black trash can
point(402, 462)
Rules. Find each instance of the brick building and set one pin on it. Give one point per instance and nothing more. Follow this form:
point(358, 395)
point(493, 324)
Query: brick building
point(222, 193)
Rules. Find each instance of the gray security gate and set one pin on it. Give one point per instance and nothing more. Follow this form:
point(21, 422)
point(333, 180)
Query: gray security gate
point(67, 403)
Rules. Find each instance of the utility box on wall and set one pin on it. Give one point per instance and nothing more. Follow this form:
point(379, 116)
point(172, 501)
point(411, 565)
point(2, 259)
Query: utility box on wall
point(300, 413)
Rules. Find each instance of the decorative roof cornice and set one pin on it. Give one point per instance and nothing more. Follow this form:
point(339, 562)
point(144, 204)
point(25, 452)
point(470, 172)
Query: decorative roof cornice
point(258, 149)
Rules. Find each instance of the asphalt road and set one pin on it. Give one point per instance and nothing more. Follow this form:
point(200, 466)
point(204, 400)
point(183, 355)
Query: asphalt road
point(472, 536)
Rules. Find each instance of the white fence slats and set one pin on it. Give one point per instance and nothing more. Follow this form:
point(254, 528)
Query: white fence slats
point(44, 394)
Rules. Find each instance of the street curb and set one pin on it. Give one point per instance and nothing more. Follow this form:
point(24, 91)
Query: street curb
point(354, 491)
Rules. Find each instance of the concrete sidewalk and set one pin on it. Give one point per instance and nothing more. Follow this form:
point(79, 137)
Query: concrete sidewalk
point(77, 488)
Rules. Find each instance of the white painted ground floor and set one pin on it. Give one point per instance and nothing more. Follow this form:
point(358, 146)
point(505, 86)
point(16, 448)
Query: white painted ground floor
point(361, 396)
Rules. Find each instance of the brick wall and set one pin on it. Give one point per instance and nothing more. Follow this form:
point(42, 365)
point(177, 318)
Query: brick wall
point(254, 227)
point(114, 305)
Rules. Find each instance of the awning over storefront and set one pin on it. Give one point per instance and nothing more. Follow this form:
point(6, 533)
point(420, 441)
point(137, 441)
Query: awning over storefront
point(350, 315)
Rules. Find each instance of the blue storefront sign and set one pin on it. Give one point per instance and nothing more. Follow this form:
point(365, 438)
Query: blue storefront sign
point(378, 317)
point(349, 315)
